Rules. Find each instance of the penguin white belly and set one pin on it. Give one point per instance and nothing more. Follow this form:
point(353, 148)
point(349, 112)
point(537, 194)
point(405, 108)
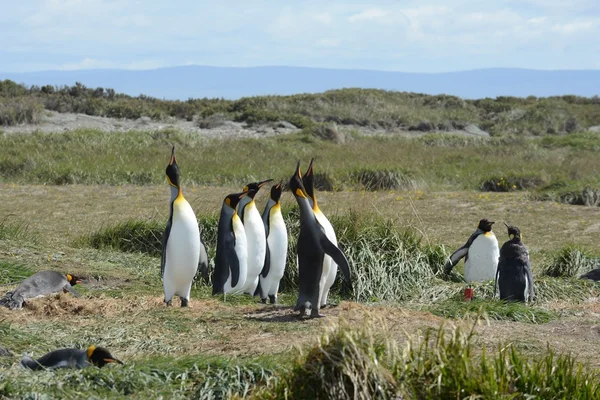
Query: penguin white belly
point(329, 266)
point(483, 258)
point(183, 251)
point(278, 244)
point(241, 249)
point(257, 246)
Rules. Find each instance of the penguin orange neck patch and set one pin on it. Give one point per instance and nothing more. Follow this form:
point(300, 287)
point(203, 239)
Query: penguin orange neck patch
point(90, 351)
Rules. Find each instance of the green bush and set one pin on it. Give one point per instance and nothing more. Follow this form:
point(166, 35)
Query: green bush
point(384, 179)
point(570, 262)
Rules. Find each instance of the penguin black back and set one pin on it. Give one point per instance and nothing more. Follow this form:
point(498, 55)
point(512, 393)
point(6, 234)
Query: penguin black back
point(513, 276)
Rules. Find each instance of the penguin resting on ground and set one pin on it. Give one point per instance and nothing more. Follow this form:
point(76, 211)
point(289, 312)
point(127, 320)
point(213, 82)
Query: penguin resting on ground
point(71, 358)
point(312, 246)
point(255, 236)
point(481, 254)
point(230, 271)
point(329, 266)
point(181, 243)
point(593, 275)
point(514, 278)
point(277, 245)
point(40, 284)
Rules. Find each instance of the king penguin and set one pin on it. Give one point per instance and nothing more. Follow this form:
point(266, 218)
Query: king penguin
point(40, 284)
point(481, 254)
point(312, 246)
point(181, 243)
point(329, 266)
point(514, 278)
point(255, 235)
point(277, 245)
point(231, 260)
point(71, 358)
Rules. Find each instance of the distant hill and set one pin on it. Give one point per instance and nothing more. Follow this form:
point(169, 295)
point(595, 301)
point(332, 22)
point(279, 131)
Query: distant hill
point(232, 83)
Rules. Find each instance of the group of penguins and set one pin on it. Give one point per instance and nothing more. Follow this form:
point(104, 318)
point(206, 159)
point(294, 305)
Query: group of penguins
point(252, 248)
point(251, 256)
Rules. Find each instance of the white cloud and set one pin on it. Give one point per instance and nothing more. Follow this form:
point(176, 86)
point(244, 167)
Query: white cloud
point(576, 26)
point(368, 15)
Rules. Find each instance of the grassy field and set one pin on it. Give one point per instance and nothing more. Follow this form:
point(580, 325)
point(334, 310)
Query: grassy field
point(241, 348)
point(95, 204)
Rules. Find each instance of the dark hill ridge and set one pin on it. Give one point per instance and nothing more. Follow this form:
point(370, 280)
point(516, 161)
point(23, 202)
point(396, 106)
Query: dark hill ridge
point(236, 82)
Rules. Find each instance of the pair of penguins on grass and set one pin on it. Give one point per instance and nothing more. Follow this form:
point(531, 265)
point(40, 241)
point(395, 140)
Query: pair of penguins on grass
point(317, 252)
point(41, 284)
point(509, 266)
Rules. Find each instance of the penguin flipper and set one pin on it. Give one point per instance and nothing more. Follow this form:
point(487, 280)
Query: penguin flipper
point(530, 279)
point(267, 265)
point(163, 255)
point(461, 252)
point(234, 263)
point(69, 288)
point(203, 260)
point(30, 363)
point(496, 279)
point(337, 255)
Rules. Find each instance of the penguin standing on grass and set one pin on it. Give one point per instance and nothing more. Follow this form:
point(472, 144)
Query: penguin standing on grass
point(312, 246)
point(71, 358)
point(255, 235)
point(329, 266)
point(181, 243)
point(231, 260)
point(277, 245)
point(514, 278)
point(481, 254)
point(40, 284)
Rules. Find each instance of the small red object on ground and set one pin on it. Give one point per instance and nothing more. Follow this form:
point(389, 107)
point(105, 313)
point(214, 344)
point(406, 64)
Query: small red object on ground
point(468, 294)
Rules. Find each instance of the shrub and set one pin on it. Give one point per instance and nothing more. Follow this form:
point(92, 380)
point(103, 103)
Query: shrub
point(212, 121)
point(384, 179)
point(511, 183)
point(17, 111)
point(328, 132)
point(586, 197)
point(570, 262)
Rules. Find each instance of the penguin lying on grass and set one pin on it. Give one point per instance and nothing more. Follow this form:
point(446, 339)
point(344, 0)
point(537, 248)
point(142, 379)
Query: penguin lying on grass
point(71, 358)
point(481, 254)
point(514, 278)
point(40, 284)
point(312, 246)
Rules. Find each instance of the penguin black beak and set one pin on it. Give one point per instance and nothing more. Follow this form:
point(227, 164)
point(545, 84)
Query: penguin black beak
point(505, 224)
point(242, 195)
point(172, 160)
point(113, 360)
point(261, 184)
point(309, 171)
point(298, 173)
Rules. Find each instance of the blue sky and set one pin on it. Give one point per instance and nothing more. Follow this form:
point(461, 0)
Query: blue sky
point(411, 36)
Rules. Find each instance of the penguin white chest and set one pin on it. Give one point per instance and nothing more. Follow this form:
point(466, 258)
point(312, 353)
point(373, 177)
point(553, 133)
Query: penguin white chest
point(483, 258)
point(241, 250)
point(183, 247)
point(257, 244)
point(329, 266)
point(278, 243)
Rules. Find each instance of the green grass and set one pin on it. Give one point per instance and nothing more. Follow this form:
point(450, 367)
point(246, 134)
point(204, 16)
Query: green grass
point(497, 310)
point(11, 273)
point(11, 229)
point(361, 363)
point(432, 163)
point(571, 262)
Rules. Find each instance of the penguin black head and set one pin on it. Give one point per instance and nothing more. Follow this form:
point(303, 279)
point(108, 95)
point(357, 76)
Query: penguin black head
point(256, 186)
point(173, 170)
point(99, 356)
point(513, 232)
point(233, 199)
point(276, 192)
point(485, 225)
point(296, 185)
point(74, 280)
point(308, 180)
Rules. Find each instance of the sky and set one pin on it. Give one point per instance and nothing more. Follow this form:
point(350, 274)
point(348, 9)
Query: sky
point(408, 36)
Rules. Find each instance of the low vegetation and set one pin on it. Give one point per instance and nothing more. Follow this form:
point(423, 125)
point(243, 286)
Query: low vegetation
point(571, 262)
point(320, 113)
point(432, 163)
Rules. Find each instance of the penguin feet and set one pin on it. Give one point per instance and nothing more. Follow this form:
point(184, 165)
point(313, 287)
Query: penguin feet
point(264, 301)
point(184, 302)
point(272, 299)
point(314, 313)
point(168, 303)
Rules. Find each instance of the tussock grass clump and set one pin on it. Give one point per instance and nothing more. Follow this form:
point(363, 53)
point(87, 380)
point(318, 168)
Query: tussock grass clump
point(15, 230)
point(133, 236)
point(511, 183)
point(328, 132)
point(587, 197)
point(496, 310)
point(384, 179)
point(11, 273)
point(211, 122)
point(570, 262)
point(358, 363)
point(20, 111)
